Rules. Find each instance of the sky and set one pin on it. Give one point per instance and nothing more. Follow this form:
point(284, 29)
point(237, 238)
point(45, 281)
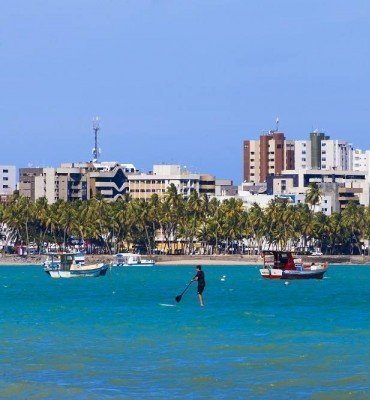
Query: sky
point(178, 81)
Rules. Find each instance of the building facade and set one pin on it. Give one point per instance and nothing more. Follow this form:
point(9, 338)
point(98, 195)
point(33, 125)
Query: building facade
point(76, 181)
point(271, 154)
point(143, 185)
point(316, 137)
point(336, 154)
point(7, 181)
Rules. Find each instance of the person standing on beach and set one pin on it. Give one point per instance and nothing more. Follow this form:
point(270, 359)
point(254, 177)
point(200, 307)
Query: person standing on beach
point(199, 277)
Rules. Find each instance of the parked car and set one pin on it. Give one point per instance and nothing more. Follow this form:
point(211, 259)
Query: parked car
point(316, 253)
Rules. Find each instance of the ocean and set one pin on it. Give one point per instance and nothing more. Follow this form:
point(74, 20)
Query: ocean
point(123, 336)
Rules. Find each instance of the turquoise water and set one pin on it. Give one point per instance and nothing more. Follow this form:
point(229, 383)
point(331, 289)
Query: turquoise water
point(116, 337)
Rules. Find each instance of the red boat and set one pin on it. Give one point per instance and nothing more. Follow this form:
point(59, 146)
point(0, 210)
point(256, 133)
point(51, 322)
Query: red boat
point(282, 265)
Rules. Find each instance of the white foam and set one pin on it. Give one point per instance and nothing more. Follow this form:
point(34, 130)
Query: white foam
point(167, 305)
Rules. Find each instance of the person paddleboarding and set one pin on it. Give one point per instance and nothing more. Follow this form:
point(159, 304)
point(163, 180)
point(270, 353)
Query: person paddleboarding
point(199, 277)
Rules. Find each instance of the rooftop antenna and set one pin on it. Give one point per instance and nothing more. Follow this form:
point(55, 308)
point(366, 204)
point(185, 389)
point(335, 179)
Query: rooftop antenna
point(277, 124)
point(96, 128)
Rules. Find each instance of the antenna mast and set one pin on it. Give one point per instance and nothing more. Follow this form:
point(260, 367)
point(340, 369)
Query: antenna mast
point(96, 128)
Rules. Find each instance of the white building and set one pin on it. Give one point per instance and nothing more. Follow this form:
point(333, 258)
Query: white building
point(336, 154)
point(7, 179)
point(361, 161)
point(144, 185)
point(302, 156)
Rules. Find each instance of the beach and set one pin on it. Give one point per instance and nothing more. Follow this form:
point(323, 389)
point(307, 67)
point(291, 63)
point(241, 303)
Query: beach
point(230, 260)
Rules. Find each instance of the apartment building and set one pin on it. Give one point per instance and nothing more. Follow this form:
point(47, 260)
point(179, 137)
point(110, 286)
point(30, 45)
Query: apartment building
point(338, 187)
point(76, 181)
point(271, 154)
point(7, 181)
point(143, 185)
point(35, 183)
point(336, 154)
point(302, 155)
point(316, 137)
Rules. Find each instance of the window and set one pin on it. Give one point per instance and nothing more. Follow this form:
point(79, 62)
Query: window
point(323, 159)
point(323, 152)
point(303, 159)
point(323, 144)
point(5, 171)
point(5, 178)
point(303, 151)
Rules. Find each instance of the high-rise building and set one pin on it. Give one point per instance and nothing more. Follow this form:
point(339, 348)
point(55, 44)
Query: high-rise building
point(316, 138)
point(302, 155)
point(336, 154)
point(271, 154)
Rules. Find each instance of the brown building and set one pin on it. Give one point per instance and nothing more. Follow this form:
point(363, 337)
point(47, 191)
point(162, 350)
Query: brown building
point(271, 154)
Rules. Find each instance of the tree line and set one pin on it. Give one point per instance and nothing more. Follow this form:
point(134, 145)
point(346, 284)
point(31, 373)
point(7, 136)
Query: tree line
point(196, 224)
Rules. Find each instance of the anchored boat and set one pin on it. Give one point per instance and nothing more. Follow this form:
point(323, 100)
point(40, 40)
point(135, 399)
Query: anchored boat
point(282, 265)
point(131, 260)
point(69, 265)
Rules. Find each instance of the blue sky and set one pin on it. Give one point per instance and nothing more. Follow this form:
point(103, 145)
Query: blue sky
point(178, 81)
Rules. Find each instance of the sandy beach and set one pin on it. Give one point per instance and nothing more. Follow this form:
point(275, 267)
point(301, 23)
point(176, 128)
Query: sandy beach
point(230, 260)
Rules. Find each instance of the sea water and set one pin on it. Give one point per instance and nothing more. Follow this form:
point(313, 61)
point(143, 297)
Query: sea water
point(123, 336)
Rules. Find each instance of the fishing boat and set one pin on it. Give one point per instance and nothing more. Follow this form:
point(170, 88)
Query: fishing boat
point(53, 260)
point(69, 265)
point(131, 260)
point(282, 265)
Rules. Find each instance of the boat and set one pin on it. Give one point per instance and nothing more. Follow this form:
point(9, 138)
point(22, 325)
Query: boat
point(282, 265)
point(131, 260)
point(53, 260)
point(69, 265)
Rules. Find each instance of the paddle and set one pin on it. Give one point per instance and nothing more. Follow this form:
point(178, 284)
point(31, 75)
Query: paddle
point(178, 298)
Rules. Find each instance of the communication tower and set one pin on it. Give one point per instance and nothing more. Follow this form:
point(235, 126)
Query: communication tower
point(96, 128)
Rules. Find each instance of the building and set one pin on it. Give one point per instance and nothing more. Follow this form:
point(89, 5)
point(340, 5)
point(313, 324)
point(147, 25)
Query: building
point(361, 161)
point(76, 181)
point(225, 187)
point(302, 155)
point(336, 154)
point(7, 181)
point(271, 154)
point(143, 185)
point(337, 187)
point(38, 182)
point(316, 138)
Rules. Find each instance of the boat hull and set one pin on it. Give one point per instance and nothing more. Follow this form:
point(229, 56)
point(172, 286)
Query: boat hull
point(80, 272)
point(141, 264)
point(292, 274)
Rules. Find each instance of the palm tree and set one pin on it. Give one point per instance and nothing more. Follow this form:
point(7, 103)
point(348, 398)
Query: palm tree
point(313, 195)
point(353, 219)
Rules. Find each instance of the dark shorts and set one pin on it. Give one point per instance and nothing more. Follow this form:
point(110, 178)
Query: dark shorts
point(201, 288)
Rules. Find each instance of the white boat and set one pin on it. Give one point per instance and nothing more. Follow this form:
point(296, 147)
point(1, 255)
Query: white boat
point(131, 260)
point(53, 260)
point(69, 265)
